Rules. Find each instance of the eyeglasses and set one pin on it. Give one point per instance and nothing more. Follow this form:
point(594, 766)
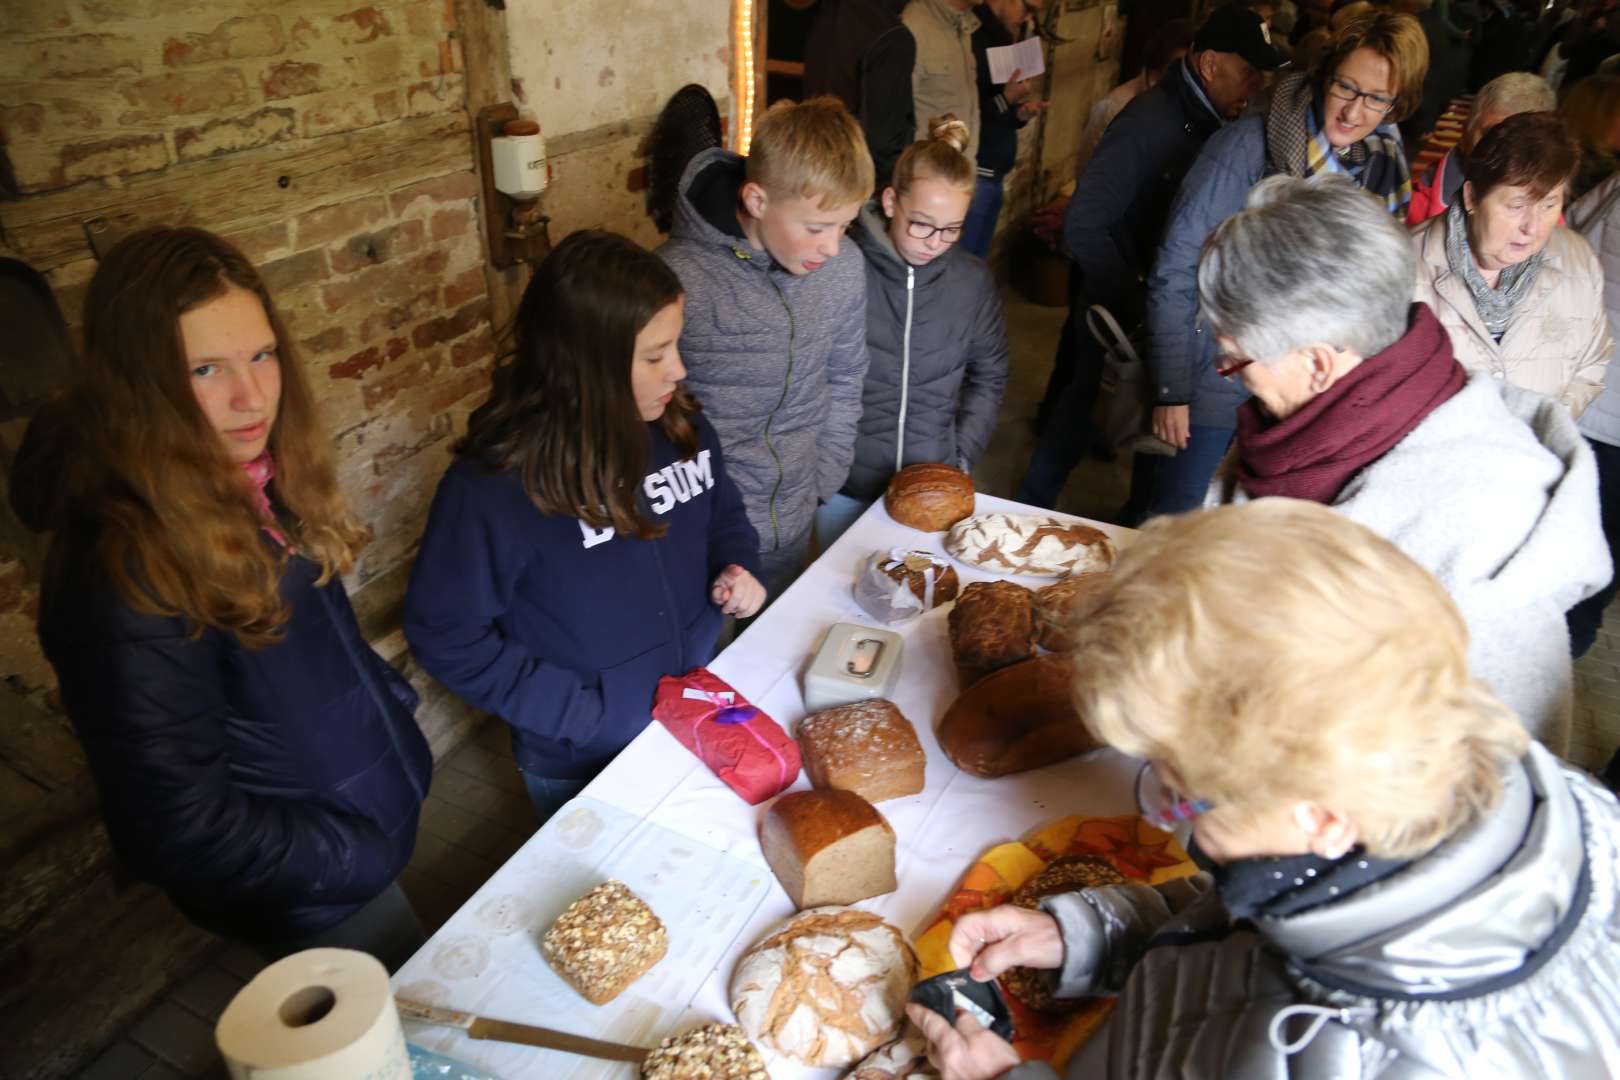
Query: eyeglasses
point(1228, 366)
point(1162, 805)
point(921, 230)
point(1340, 90)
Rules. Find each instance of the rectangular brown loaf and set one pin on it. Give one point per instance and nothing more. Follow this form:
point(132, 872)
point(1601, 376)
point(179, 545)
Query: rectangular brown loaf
point(991, 626)
point(828, 847)
point(867, 747)
point(606, 940)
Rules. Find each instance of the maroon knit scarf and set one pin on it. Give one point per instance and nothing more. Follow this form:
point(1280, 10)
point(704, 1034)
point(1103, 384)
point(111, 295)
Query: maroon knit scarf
point(1314, 453)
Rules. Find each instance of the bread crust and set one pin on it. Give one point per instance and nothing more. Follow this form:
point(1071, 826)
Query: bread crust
point(1061, 607)
point(929, 497)
point(991, 627)
point(1019, 718)
point(1030, 544)
point(867, 747)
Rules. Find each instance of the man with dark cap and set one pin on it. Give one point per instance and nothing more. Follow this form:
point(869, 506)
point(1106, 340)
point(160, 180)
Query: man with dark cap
point(1113, 223)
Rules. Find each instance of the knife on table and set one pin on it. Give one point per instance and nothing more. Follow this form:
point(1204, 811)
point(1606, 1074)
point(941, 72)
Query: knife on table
point(482, 1027)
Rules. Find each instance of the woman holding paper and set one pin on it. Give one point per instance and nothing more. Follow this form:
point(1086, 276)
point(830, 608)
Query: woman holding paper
point(587, 540)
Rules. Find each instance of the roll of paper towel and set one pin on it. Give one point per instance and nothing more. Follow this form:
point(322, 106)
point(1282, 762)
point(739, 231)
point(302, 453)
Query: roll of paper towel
point(322, 1014)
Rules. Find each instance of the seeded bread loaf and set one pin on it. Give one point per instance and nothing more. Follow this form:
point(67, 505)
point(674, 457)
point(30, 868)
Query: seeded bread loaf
point(825, 988)
point(991, 626)
point(711, 1052)
point(929, 497)
point(1029, 544)
point(1060, 608)
point(828, 847)
point(1068, 874)
point(606, 940)
point(1021, 717)
point(867, 747)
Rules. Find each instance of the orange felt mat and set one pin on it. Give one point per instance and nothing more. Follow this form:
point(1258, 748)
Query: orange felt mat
point(1134, 848)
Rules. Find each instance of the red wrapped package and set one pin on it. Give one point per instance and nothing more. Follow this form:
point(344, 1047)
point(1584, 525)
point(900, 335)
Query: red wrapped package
point(740, 744)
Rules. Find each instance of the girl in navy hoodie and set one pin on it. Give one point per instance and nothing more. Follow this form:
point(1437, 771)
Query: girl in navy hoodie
point(586, 541)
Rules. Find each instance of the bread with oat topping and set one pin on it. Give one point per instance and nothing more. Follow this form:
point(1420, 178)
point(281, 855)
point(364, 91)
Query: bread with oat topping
point(606, 940)
point(711, 1052)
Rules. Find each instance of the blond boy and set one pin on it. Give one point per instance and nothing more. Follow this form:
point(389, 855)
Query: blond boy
point(775, 336)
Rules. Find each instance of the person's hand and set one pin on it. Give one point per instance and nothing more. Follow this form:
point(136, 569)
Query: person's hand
point(1016, 88)
point(991, 941)
point(965, 1052)
point(737, 592)
point(1170, 423)
point(1027, 110)
point(1047, 222)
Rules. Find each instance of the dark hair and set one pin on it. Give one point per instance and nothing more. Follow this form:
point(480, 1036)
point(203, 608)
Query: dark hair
point(1173, 37)
point(179, 532)
point(560, 409)
point(1535, 150)
point(1397, 38)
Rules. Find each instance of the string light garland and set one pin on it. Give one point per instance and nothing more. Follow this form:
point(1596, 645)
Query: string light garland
point(743, 30)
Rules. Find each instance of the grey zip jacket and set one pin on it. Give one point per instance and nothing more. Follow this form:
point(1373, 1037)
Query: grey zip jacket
point(1495, 955)
point(776, 359)
point(938, 341)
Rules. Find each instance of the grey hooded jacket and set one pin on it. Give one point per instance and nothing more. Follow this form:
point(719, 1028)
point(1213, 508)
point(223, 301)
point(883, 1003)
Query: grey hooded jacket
point(1495, 494)
point(776, 359)
point(1495, 955)
point(938, 342)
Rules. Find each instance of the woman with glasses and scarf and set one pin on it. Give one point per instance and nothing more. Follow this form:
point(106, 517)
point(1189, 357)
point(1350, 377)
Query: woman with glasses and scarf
point(1338, 119)
point(1404, 886)
point(1360, 404)
point(934, 328)
point(1520, 294)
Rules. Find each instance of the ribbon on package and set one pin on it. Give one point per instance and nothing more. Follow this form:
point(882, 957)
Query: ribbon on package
point(740, 744)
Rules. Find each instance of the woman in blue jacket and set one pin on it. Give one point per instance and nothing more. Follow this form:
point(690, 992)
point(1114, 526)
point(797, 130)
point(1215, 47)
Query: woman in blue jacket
point(253, 756)
point(586, 541)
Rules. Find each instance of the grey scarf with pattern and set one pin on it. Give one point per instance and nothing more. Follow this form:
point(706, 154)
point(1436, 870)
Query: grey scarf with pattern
point(1495, 306)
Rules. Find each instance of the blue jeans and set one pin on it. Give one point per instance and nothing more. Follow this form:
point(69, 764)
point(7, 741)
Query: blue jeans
point(1066, 430)
point(1174, 485)
point(979, 227)
point(548, 794)
point(386, 927)
point(1585, 617)
point(835, 516)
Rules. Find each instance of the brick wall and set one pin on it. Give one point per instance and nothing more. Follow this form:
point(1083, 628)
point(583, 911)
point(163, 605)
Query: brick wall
point(330, 140)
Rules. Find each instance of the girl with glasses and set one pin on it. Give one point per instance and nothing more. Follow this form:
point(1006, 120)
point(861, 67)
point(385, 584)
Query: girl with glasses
point(934, 328)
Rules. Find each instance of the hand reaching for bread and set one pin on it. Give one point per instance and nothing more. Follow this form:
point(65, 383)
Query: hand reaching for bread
point(991, 941)
point(966, 1051)
point(737, 592)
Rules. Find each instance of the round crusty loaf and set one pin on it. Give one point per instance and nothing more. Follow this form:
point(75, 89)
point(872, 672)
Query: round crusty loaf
point(929, 497)
point(1061, 607)
point(1070, 873)
point(825, 988)
point(711, 1052)
point(991, 627)
point(1030, 544)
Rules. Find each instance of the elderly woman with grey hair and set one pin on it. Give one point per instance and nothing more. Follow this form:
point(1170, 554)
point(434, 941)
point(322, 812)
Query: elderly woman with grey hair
point(1520, 294)
point(1359, 404)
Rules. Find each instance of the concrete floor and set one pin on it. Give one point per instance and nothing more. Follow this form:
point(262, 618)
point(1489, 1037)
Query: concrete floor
point(477, 813)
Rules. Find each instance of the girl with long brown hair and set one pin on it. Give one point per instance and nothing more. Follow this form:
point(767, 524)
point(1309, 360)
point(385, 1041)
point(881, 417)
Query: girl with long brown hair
point(587, 540)
point(254, 757)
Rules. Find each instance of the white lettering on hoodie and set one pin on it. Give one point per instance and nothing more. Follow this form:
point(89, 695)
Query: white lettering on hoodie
point(675, 483)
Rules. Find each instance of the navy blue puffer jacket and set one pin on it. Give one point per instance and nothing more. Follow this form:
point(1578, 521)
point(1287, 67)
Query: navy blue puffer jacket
point(270, 792)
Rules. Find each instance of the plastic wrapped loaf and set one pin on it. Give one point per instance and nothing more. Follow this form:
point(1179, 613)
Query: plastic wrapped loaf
point(898, 585)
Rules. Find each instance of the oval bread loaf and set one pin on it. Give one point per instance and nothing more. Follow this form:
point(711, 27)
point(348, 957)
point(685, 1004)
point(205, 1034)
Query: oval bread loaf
point(1019, 718)
point(929, 497)
point(1063, 605)
point(1030, 544)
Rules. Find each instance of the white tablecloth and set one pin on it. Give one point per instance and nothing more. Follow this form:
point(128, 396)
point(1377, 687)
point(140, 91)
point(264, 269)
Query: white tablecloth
point(659, 820)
